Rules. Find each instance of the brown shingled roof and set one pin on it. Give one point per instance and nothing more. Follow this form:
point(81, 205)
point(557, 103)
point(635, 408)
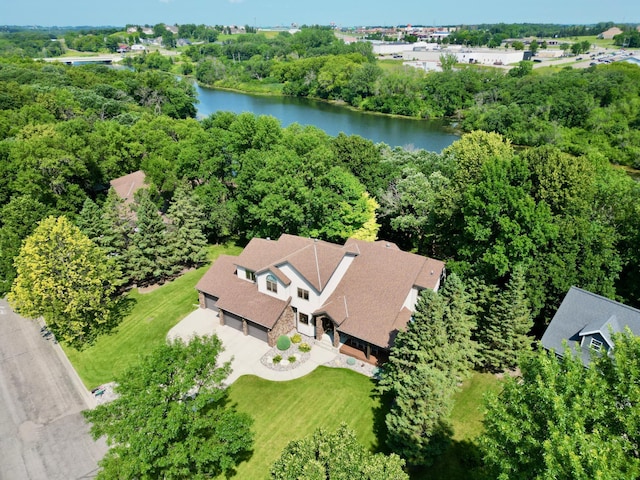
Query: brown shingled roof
point(239, 296)
point(368, 302)
point(315, 260)
point(126, 186)
point(374, 289)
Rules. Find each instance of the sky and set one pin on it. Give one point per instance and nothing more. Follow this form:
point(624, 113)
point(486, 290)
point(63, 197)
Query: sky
point(344, 13)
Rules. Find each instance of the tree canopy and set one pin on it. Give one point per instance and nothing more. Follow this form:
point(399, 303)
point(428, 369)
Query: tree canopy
point(171, 418)
point(335, 455)
point(65, 278)
point(562, 420)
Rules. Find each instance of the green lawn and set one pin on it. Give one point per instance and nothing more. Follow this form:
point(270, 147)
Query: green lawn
point(285, 411)
point(151, 317)
point(466, 418)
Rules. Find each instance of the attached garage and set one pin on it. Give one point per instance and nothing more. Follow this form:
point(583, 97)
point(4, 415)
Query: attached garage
point(232, 321)
point(258, 331)
point(210, 302)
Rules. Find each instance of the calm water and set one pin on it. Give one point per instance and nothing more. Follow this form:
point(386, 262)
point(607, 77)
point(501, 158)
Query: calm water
point(429, 135)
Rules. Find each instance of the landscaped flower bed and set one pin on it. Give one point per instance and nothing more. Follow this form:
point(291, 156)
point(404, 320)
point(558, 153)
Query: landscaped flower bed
point(293, 356)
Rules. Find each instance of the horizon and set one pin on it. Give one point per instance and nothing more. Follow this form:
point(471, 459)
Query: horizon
point(283, 13)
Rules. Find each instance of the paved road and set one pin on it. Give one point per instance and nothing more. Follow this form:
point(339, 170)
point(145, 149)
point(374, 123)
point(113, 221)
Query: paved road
point(42, 432)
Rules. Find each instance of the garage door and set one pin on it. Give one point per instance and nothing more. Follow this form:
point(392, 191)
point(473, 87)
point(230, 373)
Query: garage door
point(232, 321)
point(258, 331)
point(210, 302)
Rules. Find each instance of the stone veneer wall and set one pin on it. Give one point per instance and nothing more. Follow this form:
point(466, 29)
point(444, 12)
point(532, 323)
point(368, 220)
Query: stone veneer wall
point(201, 299)
point(283, 326)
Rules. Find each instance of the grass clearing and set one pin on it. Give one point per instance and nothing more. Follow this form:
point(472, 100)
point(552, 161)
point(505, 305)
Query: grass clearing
point(466, 418)
point(151, 317)
point(285, 411)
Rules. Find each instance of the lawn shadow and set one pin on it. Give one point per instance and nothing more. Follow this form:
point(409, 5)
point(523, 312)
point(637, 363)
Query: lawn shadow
point(379, 415)
point(462, 460)
point(240, 457)
point(122, 307)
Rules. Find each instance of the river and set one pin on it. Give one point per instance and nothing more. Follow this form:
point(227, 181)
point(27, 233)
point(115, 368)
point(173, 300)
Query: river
point(333, 119)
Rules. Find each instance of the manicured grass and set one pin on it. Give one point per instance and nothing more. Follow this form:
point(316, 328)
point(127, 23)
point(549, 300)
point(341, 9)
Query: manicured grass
point(466, 417)
point(151, 317)
point(468, 410)
point(285, 411)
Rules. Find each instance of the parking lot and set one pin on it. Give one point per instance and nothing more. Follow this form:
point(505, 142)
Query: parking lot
point(42, 432)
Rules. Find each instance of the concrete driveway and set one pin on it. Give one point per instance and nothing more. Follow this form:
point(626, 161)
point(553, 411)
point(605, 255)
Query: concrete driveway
point(246, 351)
point(42, 432)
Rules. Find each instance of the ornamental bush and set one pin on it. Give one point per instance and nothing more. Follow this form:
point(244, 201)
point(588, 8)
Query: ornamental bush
point(296, 338)
point(292, 359)
point(283, 342)
point(304, 347)
point(277, 359)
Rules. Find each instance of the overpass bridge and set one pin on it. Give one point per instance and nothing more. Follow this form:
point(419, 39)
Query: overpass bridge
point(107, 59)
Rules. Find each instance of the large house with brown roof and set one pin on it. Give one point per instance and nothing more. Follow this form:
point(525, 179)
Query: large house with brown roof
point(357, 295)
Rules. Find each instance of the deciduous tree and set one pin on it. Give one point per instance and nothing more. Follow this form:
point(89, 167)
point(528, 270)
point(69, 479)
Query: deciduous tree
point(562, 420)
point(65, 278)
point(171, 418)
point(333, 456)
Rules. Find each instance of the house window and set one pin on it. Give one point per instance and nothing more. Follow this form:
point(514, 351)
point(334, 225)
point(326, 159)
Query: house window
point(595, 344)
point(272, 284)
point(251, 275)
point(303, 318)
point(303, 294)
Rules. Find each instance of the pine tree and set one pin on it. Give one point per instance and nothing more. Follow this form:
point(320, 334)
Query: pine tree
point(186, 240)
point(506, 329)
point(460, 323)
point(118, 226)
point(417, 424)
point(427, 362)
point(90, 220)
point(148, 251)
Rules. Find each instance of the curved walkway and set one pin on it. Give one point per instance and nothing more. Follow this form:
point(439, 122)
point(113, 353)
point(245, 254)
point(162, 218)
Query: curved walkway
point(245, 352)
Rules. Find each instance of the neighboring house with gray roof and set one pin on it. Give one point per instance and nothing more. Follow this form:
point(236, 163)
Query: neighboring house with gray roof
point(359, 295)
point(587, 321)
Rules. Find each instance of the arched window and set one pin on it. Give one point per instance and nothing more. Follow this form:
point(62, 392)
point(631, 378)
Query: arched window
point(272, 283)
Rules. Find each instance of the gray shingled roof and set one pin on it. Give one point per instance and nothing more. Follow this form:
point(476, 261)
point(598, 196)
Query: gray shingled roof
point(584, 313)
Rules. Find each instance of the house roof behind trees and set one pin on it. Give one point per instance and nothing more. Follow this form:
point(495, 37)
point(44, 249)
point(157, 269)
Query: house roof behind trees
point(583, 315)
point(127, 186)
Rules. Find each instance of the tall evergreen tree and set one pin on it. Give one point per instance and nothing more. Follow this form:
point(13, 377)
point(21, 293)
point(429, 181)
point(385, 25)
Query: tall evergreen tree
point(148, 252)
point(90, 220)
point(118, 224)
point(460, 321)
point(186, 241)
point(506, 329)
point(427, 362)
